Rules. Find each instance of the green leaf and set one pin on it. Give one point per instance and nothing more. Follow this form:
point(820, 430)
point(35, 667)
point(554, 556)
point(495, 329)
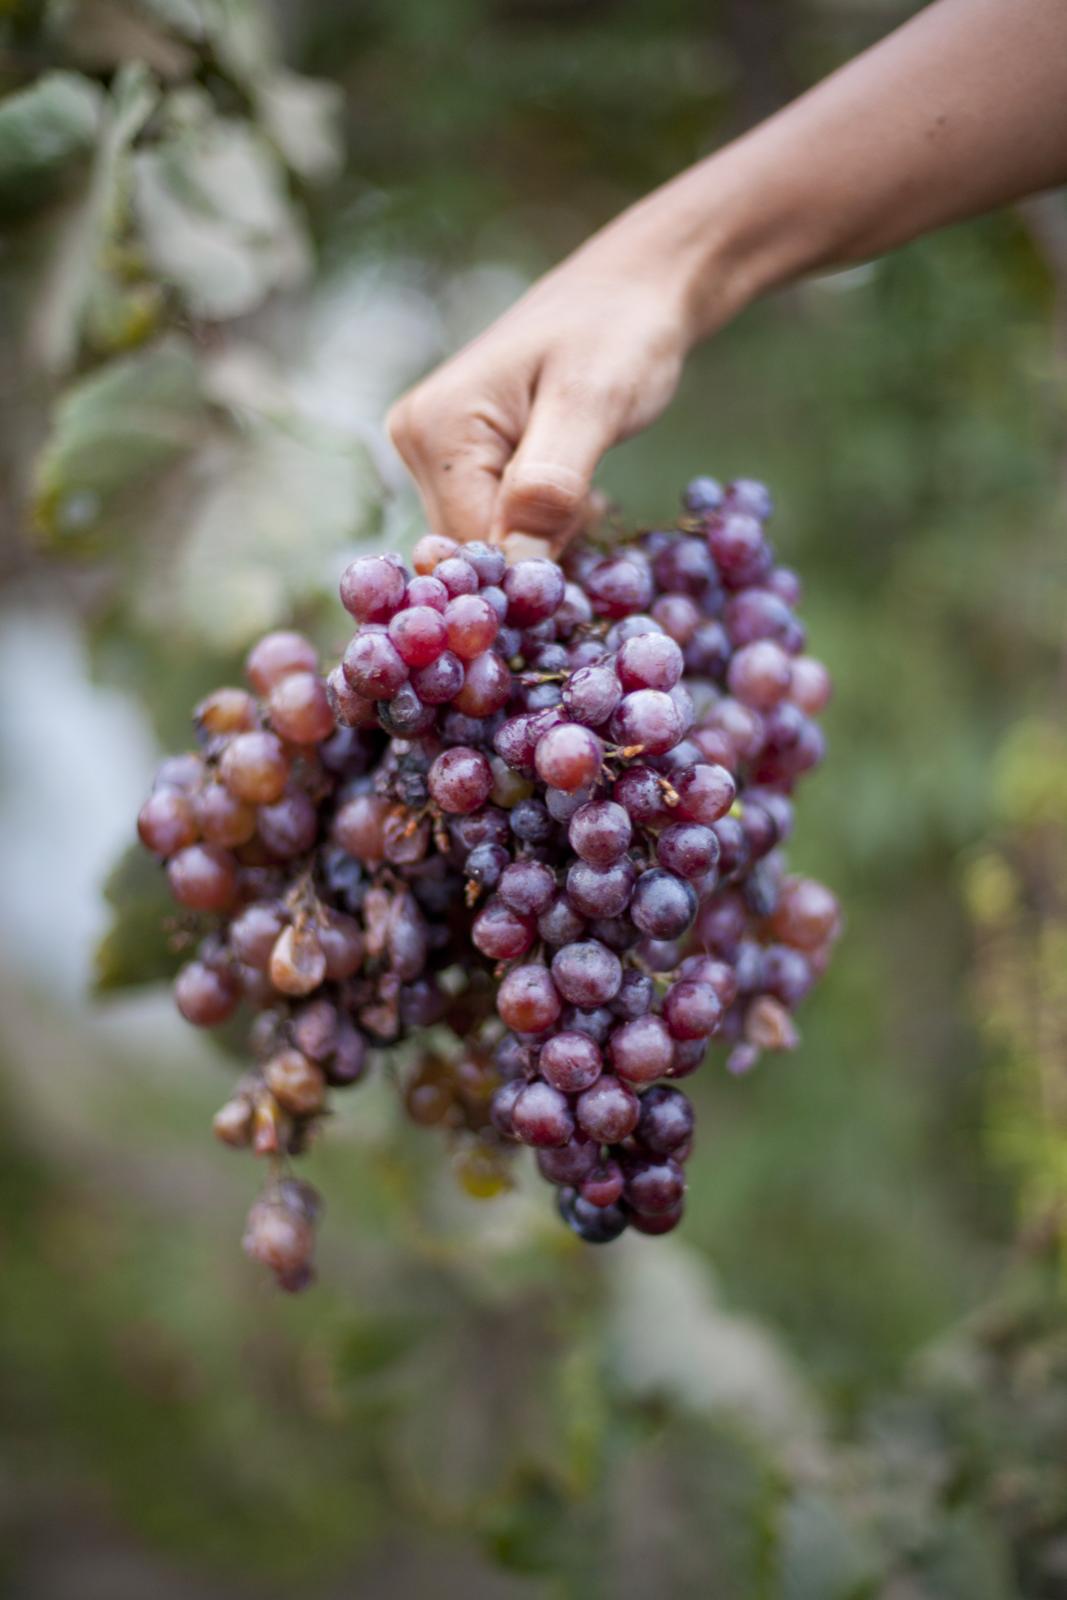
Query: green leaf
point(44, 130)
point(302, 117)
point(215, 219)
point(138, 947)
point(822, 1556)
point(74, 267)
point(112, 430)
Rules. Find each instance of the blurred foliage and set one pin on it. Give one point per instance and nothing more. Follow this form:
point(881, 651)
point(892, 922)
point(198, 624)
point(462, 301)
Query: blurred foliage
point(202, 317)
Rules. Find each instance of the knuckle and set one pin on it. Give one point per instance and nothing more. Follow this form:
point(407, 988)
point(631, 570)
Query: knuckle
point(553, 493)
point(398, 424)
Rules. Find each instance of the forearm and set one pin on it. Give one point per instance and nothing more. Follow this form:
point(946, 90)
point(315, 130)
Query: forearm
point(963, 109)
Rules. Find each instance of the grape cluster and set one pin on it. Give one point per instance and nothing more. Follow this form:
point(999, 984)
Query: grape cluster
point(534, 821)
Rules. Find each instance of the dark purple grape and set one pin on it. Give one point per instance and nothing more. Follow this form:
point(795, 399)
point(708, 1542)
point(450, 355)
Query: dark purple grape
point(703, 495)
point(561, 806)
point(758, 614)
point(609, 1111)
point(678, 615)
point(595, 1023)
point(488, 562)
point(734, 851)
point(707, 651)
point(635, 997)
point(591, 694)
point(559, 923)
point(760, 674)
point(426, 591)
point(528, 1000)
point(655, 1187)
point(650, 661)
point(662, 1222)
point(166, 822)
point(372, 588)
point(642, 794)
point(721, 924)
point(787, 974)
point(592, 1223)
point(488, 826)
point(692, 1010)
point(603, 1185)
point(641, 1050)
point(527, 887)
point(660, 955)
point(618, 586)
point(666, 1120)
point(587, 974)
point(600, 891)
point(662, 905)
point(685, 567)
point(486, 687)
point(485, 863)
point(472, 625)
point(570, 1062)
point(442, 680)
point(705, 793)
point(460, 780)
point(629, 628)
point(741, 551)
point(600, 832)
point(373, 666)
point(618, 933)
point(290, 826)
point(648, 721)
point(499, 933)
point(541, 1116)
point(568, 756)
point(404, 716)
point(531, 822)
point(206, 995)
point(688, 1056)
point(502, 1107)
point(534, 591)
point(688, 849)
point(751, 496)
point(457, 575)
point(570, 1163)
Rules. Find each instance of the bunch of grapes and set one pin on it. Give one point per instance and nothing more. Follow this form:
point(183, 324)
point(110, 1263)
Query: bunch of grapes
point(532, 821)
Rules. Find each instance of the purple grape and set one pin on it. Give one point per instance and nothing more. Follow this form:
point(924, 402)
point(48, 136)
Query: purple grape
point(666, 1120)
point(587, 974)
point(600, 832)
point(570, 1062)
point(662, 905)
point(592, 693)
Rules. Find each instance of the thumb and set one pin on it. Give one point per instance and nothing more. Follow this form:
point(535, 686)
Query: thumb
point(544, 488)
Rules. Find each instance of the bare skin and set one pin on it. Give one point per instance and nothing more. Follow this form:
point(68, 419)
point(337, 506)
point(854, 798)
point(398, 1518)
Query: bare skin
point(963, 109)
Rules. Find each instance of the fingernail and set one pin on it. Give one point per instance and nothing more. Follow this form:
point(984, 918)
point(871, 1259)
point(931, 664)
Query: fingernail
point(523, 546)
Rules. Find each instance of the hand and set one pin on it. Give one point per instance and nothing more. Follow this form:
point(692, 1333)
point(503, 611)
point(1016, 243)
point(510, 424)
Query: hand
point(962, 109)
point(506, 436)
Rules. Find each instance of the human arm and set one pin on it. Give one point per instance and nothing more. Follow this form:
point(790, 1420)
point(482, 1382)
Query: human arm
point(962, 109)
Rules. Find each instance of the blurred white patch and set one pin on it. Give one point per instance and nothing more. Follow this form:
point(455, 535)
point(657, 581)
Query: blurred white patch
point(672, 1339)
point(74, 766)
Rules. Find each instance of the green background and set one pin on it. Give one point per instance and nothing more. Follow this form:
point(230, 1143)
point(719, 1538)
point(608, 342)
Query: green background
point(845, 1377)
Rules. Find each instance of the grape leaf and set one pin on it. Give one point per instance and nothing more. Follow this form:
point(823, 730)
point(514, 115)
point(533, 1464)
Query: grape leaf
point(138, 947)
point(111, 430)
point(44, 130)
point(215, 219)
